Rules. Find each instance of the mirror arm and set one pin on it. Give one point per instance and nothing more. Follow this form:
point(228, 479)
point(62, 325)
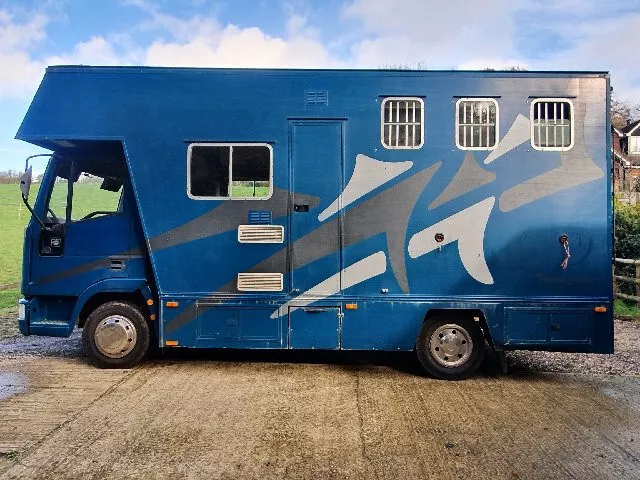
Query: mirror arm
point(35, 215)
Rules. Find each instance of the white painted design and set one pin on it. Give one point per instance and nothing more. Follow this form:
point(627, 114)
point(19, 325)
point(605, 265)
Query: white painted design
point(519, 133)
point(260, 233)
point(467, 227)
point(260, 282)
point(367, 268)
point(368, 175)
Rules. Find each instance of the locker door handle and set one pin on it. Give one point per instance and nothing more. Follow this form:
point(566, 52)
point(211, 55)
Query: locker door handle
point(300, 208)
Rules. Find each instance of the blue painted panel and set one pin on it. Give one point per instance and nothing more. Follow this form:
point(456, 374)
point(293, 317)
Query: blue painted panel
point(51, 316)
point(234, 326)
point(542, 325)
point(316, 157)
point(525, 326)
point(315, 327)
point(571, 326)
point(382, 325)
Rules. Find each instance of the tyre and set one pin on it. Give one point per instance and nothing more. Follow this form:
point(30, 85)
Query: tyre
point(115, 335)
point(450, 348)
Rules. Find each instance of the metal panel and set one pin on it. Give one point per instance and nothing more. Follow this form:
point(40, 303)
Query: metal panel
point(315, 327)
point(260, 233)
point(259, 282)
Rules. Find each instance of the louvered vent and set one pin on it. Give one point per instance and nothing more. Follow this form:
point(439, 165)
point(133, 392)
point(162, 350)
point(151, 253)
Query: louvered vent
point(260, 233)
point(317, 97)
point(259, 217)
point(260, 282)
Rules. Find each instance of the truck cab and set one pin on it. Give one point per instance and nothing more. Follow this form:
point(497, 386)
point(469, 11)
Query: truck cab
point(83, 246)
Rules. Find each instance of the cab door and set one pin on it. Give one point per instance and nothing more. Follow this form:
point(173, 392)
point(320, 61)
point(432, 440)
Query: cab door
point(92, 238)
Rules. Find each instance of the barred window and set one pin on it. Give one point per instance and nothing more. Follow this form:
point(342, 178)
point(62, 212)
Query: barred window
point(402, 123)
point(476, 123)
point(552, 124)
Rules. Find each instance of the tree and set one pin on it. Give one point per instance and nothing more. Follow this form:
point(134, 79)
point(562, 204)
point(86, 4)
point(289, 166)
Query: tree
point(623, 111)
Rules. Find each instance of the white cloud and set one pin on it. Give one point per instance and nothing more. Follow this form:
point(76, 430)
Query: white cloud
point(608, 44)
point(439, 34)
point(95, 51)
point(241, 47)
point(20, 73)
point(14, 34)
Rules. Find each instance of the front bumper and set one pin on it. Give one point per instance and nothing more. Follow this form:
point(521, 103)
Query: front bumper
point(23, 316)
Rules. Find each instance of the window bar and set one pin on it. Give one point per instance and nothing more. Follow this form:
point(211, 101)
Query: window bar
point(539, 124)
point(562, 123)
point(397, 124)
point(471, 105)
point(487, 127)
point(413, 127)
point(546, 122)
point(555, 124)
point(464, 122)
point(406, 121)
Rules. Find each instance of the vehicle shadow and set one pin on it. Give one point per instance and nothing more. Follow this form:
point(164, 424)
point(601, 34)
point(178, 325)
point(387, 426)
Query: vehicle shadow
point(351, 360)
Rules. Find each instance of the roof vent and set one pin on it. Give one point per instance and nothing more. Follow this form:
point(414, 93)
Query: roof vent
point(317, 97)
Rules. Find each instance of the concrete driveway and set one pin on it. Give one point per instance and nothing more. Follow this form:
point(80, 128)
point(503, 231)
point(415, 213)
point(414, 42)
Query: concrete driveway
point(309, 415)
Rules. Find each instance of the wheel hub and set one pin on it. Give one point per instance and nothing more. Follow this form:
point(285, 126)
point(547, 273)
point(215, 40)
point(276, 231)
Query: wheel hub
point(115, 336)
point(450, 345)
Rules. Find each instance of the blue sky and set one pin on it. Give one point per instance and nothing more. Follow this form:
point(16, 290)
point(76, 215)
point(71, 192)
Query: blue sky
point(546, 34)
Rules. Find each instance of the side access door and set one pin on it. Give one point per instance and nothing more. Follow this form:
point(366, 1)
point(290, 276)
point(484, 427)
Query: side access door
point(315, 247)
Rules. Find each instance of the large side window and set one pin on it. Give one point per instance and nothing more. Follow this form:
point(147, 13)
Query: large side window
point(229, 171)
point(95, 195)
point(552, 124)
point(476, 123)
point(402, 123)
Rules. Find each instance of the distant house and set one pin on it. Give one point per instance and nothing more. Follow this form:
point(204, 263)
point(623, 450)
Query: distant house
point(625, 142)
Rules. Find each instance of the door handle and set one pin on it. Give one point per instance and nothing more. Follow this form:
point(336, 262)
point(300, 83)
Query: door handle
point(314, 310)
point(300, 208)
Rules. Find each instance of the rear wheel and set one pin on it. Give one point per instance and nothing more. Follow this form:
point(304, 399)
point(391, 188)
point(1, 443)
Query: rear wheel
point(115, 335)
point(450, 348)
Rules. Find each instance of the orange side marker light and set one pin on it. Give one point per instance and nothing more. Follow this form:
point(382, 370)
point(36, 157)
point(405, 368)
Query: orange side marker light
point(351, 306)
point(600, 309)
point(171, 343)
point(152, 316)
point(150, 302)
point(171, 304)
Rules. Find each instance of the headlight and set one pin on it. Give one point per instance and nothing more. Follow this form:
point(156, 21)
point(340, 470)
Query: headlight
point(22, 311)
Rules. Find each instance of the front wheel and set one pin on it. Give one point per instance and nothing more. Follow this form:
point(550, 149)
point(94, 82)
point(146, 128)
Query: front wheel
point(450, 348)
point(115, 335)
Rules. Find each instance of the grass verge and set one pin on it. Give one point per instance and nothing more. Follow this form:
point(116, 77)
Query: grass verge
point(625, 309)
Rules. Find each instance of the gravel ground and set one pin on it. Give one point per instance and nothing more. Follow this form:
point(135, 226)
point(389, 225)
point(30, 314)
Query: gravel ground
point(625, 360)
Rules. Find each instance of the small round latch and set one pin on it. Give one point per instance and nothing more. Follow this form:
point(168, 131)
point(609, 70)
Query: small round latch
point(564, 238)
point(439, 237)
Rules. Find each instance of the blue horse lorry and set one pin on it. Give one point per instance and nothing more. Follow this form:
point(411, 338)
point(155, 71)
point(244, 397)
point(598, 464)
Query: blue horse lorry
point(444, 212)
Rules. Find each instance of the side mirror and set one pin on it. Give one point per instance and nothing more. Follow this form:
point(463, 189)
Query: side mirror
point(25, 183)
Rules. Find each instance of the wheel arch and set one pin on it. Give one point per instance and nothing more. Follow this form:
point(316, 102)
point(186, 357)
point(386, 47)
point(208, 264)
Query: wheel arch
point(135, 291)
point(477, 314)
